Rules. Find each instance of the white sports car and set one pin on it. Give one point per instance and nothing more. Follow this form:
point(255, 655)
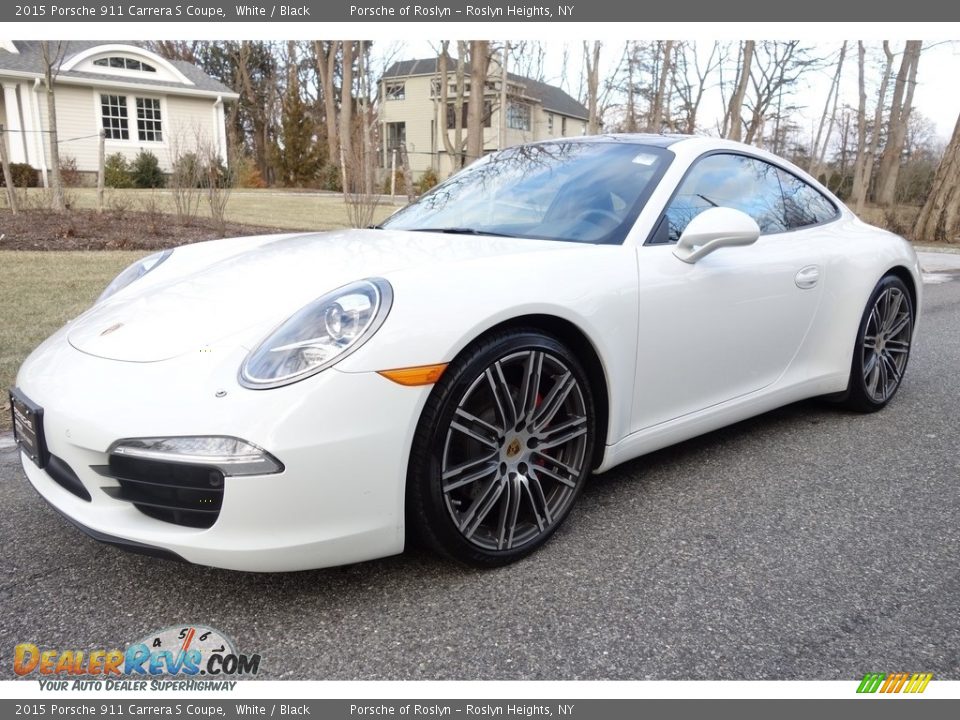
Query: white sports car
point(300, 401)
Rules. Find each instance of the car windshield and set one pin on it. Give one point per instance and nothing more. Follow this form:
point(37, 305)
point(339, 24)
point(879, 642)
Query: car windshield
point(572, 191)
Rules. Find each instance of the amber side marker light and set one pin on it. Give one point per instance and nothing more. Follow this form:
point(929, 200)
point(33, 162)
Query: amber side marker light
point(422, 375)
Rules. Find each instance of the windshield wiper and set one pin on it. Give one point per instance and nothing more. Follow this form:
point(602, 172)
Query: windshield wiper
point(461, 231)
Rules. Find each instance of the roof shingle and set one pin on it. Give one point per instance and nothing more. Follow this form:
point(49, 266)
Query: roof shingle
point(553, 98)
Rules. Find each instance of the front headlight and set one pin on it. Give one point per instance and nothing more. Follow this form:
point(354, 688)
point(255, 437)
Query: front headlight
point(318, 336)
point(134, 272)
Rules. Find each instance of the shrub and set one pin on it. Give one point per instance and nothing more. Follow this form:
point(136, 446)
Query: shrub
point(22, 175)
point(427, 181)
point(116, 171)
point(69, 173)
point(145, 171)
point(330, 178)
point(248, 175)
point(398, 183)
point(187, 171)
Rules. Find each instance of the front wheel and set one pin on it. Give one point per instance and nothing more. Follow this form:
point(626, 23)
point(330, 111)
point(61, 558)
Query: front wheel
point(883, 346)
point(502, 450)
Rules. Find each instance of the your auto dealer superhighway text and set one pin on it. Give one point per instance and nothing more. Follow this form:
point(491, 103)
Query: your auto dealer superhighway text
point(484, 11)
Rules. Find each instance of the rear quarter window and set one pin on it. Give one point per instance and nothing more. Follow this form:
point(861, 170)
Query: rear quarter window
point(804, 205)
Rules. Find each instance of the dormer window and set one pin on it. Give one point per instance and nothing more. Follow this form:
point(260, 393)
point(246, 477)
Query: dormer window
point(124, 63)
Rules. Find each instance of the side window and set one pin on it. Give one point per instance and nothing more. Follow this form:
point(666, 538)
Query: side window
point(732, 181)
point(804, 204)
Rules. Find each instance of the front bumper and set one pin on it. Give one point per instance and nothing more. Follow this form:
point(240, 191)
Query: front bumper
point(343, 438)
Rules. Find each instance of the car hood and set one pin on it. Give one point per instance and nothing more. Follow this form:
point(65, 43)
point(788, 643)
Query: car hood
point(198, 299)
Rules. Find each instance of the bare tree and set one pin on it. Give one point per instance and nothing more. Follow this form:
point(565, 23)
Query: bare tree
point(346, 119)
point(898, 122)
point(732, 123)
point(657, 108)
point(939, 219)
point(455, 147)
point(325, 54)
point(777, 65)
point(591, 64)
point(861, 182)
point(690, 80)
point(52, 58)
point(479, 63)
point(818, 153)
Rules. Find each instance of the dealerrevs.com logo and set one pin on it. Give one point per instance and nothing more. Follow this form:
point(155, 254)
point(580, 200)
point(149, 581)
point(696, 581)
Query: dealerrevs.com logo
point(190, 652)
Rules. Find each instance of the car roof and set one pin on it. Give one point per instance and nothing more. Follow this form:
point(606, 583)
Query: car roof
point(656, 140)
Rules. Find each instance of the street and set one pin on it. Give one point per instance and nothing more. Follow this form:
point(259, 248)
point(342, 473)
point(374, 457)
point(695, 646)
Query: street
point(808, 543)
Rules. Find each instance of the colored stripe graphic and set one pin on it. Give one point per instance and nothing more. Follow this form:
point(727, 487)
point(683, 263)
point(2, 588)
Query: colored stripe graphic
point(894, 683)
point(870, 683)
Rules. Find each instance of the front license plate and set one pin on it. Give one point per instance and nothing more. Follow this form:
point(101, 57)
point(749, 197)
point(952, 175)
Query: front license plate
point(28, 427)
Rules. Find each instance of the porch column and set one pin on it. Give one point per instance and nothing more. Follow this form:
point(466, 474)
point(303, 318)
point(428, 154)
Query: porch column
point(15, 137)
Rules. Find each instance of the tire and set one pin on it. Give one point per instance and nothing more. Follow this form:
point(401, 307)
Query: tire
point(485, 486)
point(882, 349)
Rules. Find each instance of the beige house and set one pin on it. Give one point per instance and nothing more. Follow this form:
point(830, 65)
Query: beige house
point(139, 99)
point(411, 116)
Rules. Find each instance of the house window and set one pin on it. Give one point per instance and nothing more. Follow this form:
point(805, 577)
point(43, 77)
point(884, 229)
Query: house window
point(396, 135)
point(122, 63)
point(452, 114)
point(563, 127)
point(113, 110)
point(518, 116)
point(550, 123)
point(396, 91)
point(115, 118)
point(148, 120)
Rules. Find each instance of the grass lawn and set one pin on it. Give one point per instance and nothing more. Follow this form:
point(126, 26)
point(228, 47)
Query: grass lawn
point(39, 292)
point(297, 210)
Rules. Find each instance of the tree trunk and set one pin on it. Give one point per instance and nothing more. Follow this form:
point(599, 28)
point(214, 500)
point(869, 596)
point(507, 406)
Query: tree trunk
point(479, 60)
point(859, 195)
point(733, 121)
point(939, 220)
point(818, 155)
point(631, 120)
point(346, 115)
point(7, 176)
point(51, 63)
point(899, 119)
point(504, 80)
point(326, 59)
point(859, 182)
point(656, 112)
point(592, 66)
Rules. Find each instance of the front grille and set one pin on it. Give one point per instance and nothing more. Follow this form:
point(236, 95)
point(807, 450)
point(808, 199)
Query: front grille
point(188, 495)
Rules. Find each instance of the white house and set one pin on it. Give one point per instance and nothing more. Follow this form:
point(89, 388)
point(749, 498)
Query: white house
point(139, 99)
point(412, 118)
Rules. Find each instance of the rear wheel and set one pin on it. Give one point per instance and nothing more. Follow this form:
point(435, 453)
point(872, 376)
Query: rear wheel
point(883, 346)
point(502, 450)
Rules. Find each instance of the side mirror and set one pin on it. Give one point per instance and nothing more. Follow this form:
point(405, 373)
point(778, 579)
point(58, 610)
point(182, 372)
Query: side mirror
point(713, 229)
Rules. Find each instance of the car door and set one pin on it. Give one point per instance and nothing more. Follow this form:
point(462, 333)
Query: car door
point(729, 324)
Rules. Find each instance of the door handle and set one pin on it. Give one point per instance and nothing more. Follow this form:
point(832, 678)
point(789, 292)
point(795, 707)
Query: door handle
point(808, 277)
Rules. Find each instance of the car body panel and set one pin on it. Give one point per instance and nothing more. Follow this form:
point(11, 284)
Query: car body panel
point(683, 348)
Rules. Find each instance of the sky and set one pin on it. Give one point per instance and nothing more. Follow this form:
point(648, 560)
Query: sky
point(936, 95)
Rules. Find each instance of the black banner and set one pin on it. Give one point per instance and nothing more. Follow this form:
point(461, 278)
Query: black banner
point(511, 11)
point(853, 709)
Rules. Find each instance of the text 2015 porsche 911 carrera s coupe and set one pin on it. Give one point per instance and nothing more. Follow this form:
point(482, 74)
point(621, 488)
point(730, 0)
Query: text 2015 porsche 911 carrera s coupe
point(300, 401)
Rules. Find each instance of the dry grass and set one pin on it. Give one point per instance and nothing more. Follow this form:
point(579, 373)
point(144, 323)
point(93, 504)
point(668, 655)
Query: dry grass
point(291, 209)
point(39, 292)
